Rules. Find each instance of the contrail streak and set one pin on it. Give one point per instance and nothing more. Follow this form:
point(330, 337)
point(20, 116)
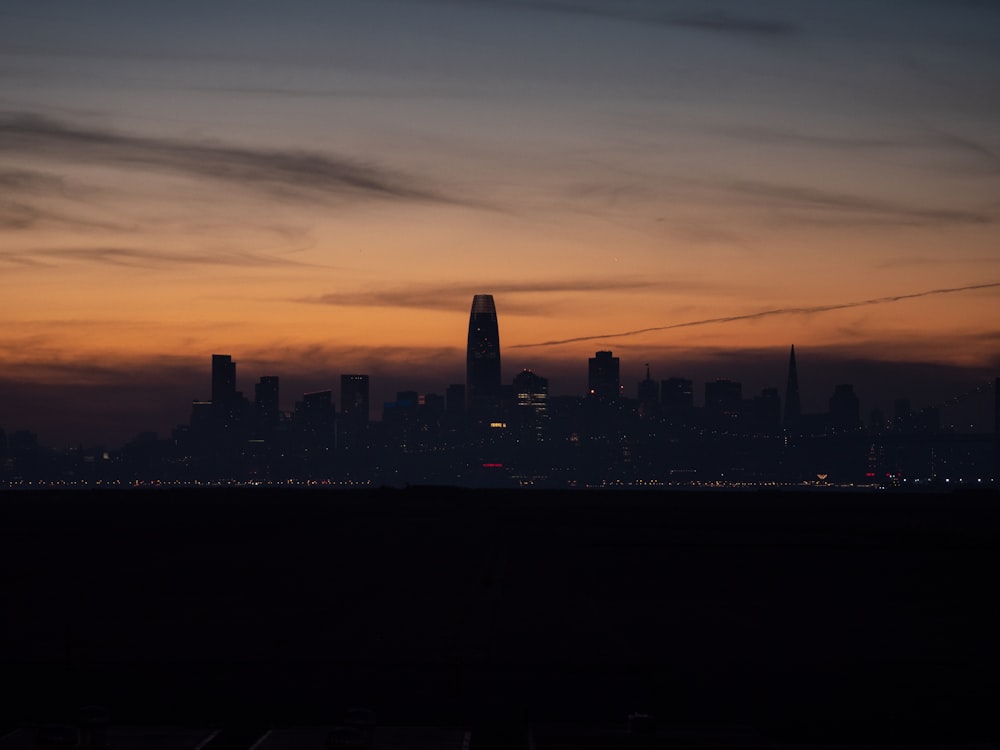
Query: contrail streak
point(768, 314)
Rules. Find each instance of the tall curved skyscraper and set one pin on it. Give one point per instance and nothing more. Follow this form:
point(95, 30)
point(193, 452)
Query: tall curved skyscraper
point(482, 357)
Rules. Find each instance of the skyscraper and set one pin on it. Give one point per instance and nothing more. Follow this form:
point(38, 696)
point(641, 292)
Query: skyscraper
point(482, 357)
point(649, 396)
point(315, 418)
point(531, 410)
point(724, 397)
point(354, 402)
point(765, 410)
point(845, 411)
point(455, 398)
point(223, 379)
point(793, 408)
point(266, 403)
point(677, 395)
point(603, 376)
point(227, 405)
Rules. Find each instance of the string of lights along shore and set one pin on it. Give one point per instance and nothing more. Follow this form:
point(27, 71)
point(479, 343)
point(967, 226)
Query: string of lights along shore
point(485, 432)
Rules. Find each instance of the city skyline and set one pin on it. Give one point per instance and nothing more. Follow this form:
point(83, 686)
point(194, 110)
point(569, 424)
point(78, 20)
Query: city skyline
point(483, 433)
point(481, 391)
point(113, 415)
point(320, 188)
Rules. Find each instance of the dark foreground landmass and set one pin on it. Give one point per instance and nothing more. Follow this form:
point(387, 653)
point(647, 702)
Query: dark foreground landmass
point(803, 616)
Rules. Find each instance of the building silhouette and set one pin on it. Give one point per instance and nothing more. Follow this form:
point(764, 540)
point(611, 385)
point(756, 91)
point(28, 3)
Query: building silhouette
point(520, 435)
point(482, 359)
point(677, 396)
point(455, 399)
point(223, 379)
point(765, 410)
point(845, 411)
point(724, 398)
point(793, 406)
point(315, 420)
point(266, 405)
point(603, 376)
point(229, 407)
point(354, 400)
point(649, 396)
point(531, 404)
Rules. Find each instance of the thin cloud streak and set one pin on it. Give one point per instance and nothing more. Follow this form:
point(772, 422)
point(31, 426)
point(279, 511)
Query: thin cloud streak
point(720, 22)
point(987, 158)
point(452, 298)
point(824, 200)
point(913, 261)
point(27, 184)
point(136, 258)
point(768, 314)
point(975, 157)
point(292, 172)
point(28, 180)
point(786, 137)
point(15, 216)
point(708, 21)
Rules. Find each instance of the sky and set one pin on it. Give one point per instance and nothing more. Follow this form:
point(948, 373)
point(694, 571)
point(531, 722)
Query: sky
point(320, 188)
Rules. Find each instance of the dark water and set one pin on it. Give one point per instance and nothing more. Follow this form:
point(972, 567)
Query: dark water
point(800, 615)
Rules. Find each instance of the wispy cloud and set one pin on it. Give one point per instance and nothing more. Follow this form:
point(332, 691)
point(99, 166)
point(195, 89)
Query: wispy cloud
point(27, 184)
point(452, 298)
point(711, 20)
point(16, 215)
point(807, 310)
point(950, 150)
point(298, 173)
point(988, 159)
point(726, 23)
point(783, 136)
point(374, 91)
point(913, 261)
point(141, 258)
point(29, 180)
point(858, 207)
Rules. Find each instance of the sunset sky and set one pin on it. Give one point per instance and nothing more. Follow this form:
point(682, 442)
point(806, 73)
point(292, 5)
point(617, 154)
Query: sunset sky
point(319, 188)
